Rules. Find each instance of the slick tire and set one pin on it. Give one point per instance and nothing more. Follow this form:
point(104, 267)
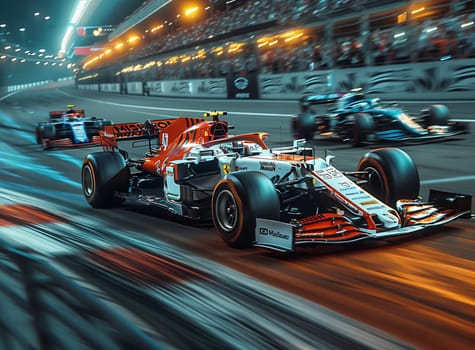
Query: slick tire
point(438, 115)
point(237, 201)
point(103, 175)
point(49, 131)
point(363, 126)
point(392, 175)
point(101, 123)
point(39, 134)
point(303, 126)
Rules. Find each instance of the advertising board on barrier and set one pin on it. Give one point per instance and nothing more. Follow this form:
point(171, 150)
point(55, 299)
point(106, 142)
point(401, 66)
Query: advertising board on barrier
point(112, 87)
point(135, 88)
point(282, 86)
point(242, 87)
point(425, 80)
point(436, 80)
point(210, 88)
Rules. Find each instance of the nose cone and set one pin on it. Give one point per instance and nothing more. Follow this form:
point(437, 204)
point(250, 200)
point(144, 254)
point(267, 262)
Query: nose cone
point(410, 125)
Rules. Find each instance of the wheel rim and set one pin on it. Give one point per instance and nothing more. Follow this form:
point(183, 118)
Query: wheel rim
point(88, 181)
point(375, 183)
point(226, 211)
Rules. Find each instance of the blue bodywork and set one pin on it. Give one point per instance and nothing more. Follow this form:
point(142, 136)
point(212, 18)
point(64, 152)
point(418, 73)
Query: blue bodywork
point(68, 128)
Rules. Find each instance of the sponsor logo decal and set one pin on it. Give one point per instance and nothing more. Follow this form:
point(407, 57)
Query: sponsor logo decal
point(270, 232)
point(226, 168)
point(241, 83)
point(267, 166)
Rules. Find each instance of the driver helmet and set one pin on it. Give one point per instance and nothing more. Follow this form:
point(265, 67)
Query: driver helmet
point(349, 98)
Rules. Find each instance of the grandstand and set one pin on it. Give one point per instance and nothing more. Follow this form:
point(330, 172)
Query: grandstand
point(273, 36)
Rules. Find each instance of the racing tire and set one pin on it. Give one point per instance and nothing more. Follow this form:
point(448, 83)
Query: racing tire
point(392, 175)
point(103, 175)
point(438, 115)
point(39, 134)
point(363, 126)
point(303, 126)
point(237, 201)
point(49, 131)
point(100, 123)
point(45, 132)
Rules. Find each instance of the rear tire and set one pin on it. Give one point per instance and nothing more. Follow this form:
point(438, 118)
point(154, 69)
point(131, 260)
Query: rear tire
point(362, 127)
point(237, 201)
point(392, 175)
point(104, 174)
point(303, 126)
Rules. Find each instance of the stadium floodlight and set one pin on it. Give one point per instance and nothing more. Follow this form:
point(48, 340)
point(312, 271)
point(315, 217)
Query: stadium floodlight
point(66, 38)
point(79, 11)
point(76, 17)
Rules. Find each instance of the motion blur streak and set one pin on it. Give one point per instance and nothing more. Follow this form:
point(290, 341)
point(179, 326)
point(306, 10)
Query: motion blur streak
point(144, 267)
point(20, 214)
point(219, 311)
point(9, 157)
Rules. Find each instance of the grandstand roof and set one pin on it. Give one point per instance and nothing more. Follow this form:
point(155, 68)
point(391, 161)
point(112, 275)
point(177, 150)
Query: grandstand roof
point(45, 22)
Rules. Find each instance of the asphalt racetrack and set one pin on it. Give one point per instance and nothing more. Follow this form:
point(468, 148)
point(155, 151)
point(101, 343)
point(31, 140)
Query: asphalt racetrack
point(185, 287)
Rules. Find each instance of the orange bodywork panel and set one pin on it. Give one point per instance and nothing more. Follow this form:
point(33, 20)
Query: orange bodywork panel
point(175, 137)
point(326, 227)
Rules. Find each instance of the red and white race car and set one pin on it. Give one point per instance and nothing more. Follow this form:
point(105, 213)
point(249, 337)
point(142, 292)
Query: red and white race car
point(278, 198)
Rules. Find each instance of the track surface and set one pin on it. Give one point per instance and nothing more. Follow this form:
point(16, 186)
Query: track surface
point(417, 292)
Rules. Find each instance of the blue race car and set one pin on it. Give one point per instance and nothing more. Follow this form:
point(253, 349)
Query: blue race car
point(358, 119)
point(68, 128)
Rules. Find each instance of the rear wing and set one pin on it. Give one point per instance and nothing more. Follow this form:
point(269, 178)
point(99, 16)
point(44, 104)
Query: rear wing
point(147, 130)
point(134, 130)
point(77, 112)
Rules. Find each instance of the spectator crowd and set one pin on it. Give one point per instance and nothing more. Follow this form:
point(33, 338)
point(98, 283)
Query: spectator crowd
point(372, 36)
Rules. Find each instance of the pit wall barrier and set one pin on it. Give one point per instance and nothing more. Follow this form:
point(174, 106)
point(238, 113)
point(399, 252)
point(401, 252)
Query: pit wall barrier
point(441, 80)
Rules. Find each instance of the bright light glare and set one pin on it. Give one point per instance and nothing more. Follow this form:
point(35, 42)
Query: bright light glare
point(418, 10)
point(79, 11)
point(77, 15)
point(133, 39)
point(191, 11)
point(66, 38)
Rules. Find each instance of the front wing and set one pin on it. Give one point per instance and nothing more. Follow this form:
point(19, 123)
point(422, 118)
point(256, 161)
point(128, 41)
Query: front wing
point(68, 142)
point(399, 135)
point(328, 228)
point(434, 134)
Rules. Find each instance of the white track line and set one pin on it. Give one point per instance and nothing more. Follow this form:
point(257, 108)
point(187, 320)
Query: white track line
point(448, 180)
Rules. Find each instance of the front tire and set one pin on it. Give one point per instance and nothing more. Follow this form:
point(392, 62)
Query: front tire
point(237, 201)
point(392, 175)
point(104, 174)
point(438, 115)
point(39, 134)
